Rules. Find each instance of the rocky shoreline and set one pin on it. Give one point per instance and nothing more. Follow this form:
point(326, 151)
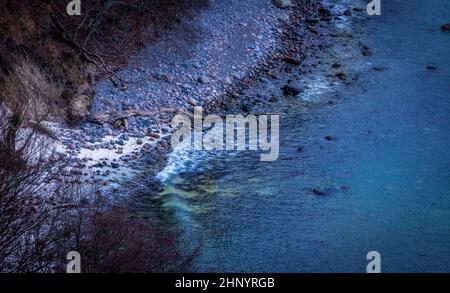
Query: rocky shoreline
point(136, 149)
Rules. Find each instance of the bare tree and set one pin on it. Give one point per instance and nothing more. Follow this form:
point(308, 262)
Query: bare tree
point(43, 217)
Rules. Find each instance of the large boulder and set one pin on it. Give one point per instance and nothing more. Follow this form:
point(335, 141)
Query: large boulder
point(80, 106)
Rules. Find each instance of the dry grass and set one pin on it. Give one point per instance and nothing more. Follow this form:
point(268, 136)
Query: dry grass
point(28, 87)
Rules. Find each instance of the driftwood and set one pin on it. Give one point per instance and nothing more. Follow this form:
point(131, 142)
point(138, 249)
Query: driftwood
point(117, 116)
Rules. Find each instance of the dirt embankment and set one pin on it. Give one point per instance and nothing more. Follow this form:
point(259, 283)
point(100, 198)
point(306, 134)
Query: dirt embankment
point(50, 61)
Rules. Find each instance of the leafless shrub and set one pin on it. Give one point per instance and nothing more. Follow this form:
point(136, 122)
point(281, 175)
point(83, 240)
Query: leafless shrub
point(110, 240)
point(43, 217)
point(29, 90)
point(28, 223)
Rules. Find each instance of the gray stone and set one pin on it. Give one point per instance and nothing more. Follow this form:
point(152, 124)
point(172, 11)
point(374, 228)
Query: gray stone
point(80, 106)
point(282, 3)
point(341, 75)
point(291, 90)
point(204, 79)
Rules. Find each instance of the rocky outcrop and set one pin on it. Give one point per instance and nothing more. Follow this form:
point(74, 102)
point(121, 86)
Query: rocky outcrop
point(81, 103)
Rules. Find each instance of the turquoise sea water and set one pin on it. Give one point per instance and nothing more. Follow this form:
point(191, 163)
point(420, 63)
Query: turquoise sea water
point(386, 172)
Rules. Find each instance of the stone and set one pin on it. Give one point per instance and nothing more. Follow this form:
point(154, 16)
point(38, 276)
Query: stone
point(379, 68)
point(228, 80)
point(204, 79)
point(366, 51)
point(282, 18)
point(154, 135)
point(283, 4)
point(192, 102)
point(291, 60)
point(311, 20)
point(319, 192)
point(324, 11)
point(341, 75)
point(79, 106)
point(291, 90)
point(246, 108)
point(139, 141)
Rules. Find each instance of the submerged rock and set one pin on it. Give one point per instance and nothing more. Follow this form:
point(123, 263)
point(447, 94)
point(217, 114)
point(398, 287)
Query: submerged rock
point(320, 192)
point(379, 68)
point(446, 27)
point(348, 12)
point(246, 108)
point(291, 90)
point(341, 75)
point(366, 51)
point(336, 65)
